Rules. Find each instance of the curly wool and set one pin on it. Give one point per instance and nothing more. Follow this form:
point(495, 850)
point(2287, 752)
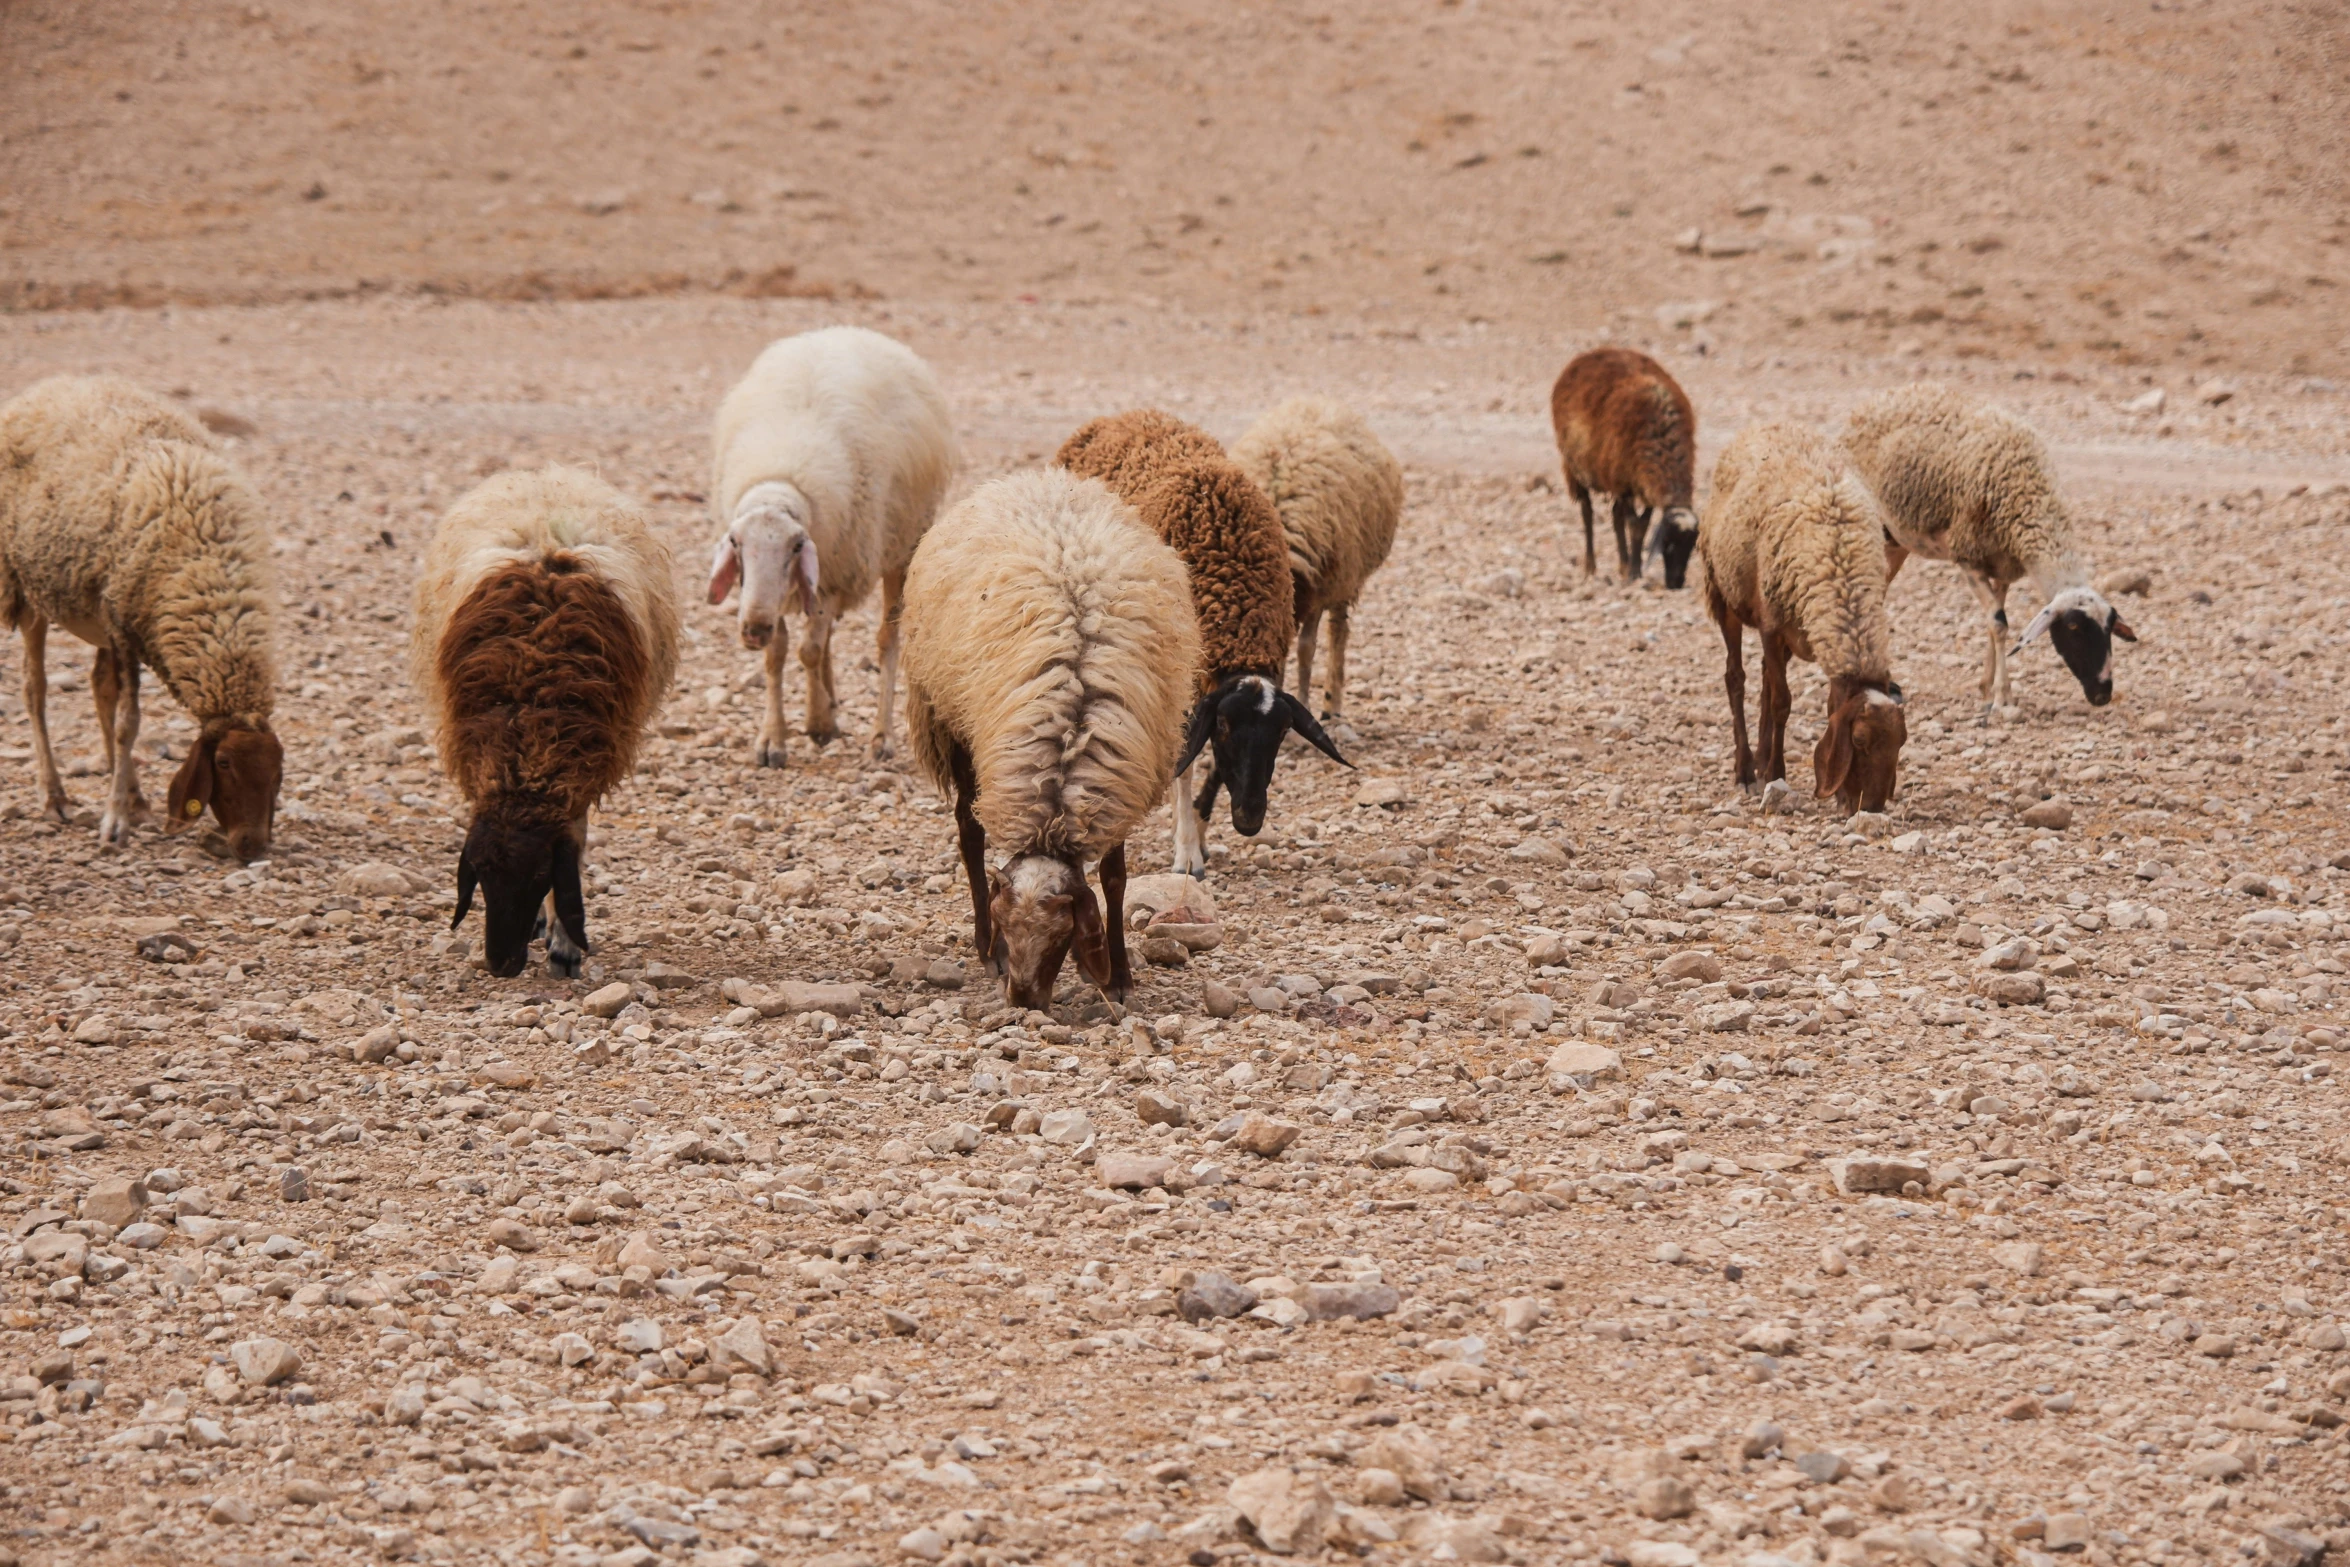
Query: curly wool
point(1184, 487)
point(1793, 545)
point(1338, 490)
point(1965, 481)
point(1051, 637)
point(1625, 427)
point(118, 516)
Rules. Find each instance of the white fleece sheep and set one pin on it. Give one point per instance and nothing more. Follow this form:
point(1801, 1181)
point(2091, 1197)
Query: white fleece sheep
point(1791, 543)
point(832, 456)
point(1050, 654)
point(1339, 491)
point(1967, 482)
point(122, 524)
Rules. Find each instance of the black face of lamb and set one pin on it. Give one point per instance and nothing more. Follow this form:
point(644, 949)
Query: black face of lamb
point(1673, 542)
point(2085, 642)
point(516, 867)
point(1245, 719)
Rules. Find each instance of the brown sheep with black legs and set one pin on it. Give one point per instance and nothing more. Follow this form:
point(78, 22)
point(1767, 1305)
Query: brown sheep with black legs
point(1794, 548)
point(1625, 430)
point(545, 638)
point(1191, 494)
point(120, 522)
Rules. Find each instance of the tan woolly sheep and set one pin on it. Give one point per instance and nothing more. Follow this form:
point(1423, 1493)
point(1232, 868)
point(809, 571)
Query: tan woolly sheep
point(121, 523)
point(1340, 495)
point(545, 638)
point(833, 454)
point(1050, 643)
point(1792, 547)
point(1964, 481)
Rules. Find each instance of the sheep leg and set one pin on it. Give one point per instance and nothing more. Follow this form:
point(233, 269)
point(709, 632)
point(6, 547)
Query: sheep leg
point(1777, 701)
point(114, 683)
point(1734, 682)
point(1309, 630)
point(1334, 683)
point(1993, 593)
point(1631, 534)
point(1114, 922)
point(36, 709)
point(816, 658)
point(1896, 556)
point(893, 593)
point(972, 839)
point(564, 958)
point(1583, 499)
point(771, 751)
point(1191, 833)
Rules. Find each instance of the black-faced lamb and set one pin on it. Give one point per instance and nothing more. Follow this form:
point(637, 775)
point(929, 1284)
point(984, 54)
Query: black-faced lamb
point(1230, 540)
point(1793, 548)
point(121, 522)
point(1050, 643)
point(1626, 430)
point(545, 638)
point(833, 454)
point(1339, 493)
point(1968, 482)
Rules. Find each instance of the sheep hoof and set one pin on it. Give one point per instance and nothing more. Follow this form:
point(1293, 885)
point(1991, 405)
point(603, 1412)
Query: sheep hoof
point(823, 736)
point(771, 753)
point(113, 830)
point(60, 808)
point(883, 750)
point(563, 965)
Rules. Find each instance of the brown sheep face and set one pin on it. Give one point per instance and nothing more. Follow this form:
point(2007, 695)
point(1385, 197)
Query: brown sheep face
point(519, 865)
point(1858, 760)
point(766, 549)
point(1039, 907)
point(235, 773)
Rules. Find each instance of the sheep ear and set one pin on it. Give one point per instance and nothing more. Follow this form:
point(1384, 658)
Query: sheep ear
point(726, 567)
point(1092, 945)
point(570, 906)
point(191, 787)
point(1304, 722)
point(1893, 690)
point(2031, 632)
point(804, 573)
point(1195, 734)
point(2121, 629)
point(1831, 760)
point(464, 889)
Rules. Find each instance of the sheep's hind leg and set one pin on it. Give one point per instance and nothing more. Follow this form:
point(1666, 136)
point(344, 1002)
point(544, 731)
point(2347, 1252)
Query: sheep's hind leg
point(1734, 683)
point(1583, 499)
point(114, 684)
point(816, 658)
point(1993, 595)
point(893, 593)
point(1334, 683)
point(1114, 923)
point(1309, 630)
point(1631, 535)
point(36, 710)
point(771, 748)
point(1777, 702)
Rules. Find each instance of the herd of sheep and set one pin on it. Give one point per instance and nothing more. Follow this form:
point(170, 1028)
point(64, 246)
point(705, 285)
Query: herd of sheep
point(1075, 640)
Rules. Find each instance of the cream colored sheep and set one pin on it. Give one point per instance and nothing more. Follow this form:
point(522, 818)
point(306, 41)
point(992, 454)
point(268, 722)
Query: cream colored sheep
point(120, 522)
point(1050, 655)
point(1339, 491)
point(1964, 481)
point(832, 455)
point(544, 640)
point(1793, 547)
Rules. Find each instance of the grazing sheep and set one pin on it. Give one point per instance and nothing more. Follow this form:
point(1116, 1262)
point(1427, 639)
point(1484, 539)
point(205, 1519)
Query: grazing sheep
point(545, 638)
point(833, 454)
point(1791, 546)
point(1340, 493)
point(1230, 540)
point(1625, 429)
point(1966, 482)
point(1050, 644)
point(121, 523)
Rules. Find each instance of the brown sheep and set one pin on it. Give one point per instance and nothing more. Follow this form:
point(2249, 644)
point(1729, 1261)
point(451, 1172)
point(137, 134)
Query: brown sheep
point(1190, 493)
point(1625, 430)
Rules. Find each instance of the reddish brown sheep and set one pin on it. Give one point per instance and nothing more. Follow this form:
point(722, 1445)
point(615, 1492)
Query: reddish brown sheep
point(1625, 430)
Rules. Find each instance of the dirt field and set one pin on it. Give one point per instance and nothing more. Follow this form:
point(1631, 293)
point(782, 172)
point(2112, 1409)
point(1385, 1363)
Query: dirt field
point(1666, 1182)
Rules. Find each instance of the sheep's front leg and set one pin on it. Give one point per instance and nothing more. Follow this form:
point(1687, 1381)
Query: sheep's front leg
point(1191, 833)
point(1334, 683)
point(1309, 631)
point(1114, 923)
point(114, 683)
point(1734, 683)
point(971, 838)
point(771, 749)
point(565, 957)
point(36, 710)
point(816, 659)
point(1632, 535)
point(1583, 499)
point(1993, 595)
point(893, 593)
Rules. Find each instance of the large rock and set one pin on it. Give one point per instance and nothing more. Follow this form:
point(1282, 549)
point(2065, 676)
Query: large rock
point(1530, 1008)
point(1580, 1059)
point(1214, 1295)
point(606, 1002)
point(1877, 1172)
point(378, 880)
point(1291, 1513)
point(1329, 1302)
point(793, 997)
point(1701, 966)
point(1407, 1453)
point(1264, 1136)
point(1173, 900)
point(265, 1362)
point(1155, 1108)
point(742, 1347)
point(2012, 990)
point(1131, 1171)
point(1068, 1128)
point(115, 1200)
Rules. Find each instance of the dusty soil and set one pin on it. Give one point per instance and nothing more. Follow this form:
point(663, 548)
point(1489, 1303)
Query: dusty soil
point(692, 1283)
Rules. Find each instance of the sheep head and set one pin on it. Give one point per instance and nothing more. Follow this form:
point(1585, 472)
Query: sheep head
point(517, 858)
point(1245, 718)
point(767, 549)
point(2081, 625)
point(1674, 540)
point(1859, 758)
point(1039, 908)
point(234, 770)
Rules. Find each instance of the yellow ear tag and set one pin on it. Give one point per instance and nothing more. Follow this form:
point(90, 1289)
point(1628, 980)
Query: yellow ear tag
point(195, 809)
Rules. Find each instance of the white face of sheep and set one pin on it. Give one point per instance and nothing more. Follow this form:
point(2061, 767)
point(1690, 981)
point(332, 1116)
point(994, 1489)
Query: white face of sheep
point(768, 550)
